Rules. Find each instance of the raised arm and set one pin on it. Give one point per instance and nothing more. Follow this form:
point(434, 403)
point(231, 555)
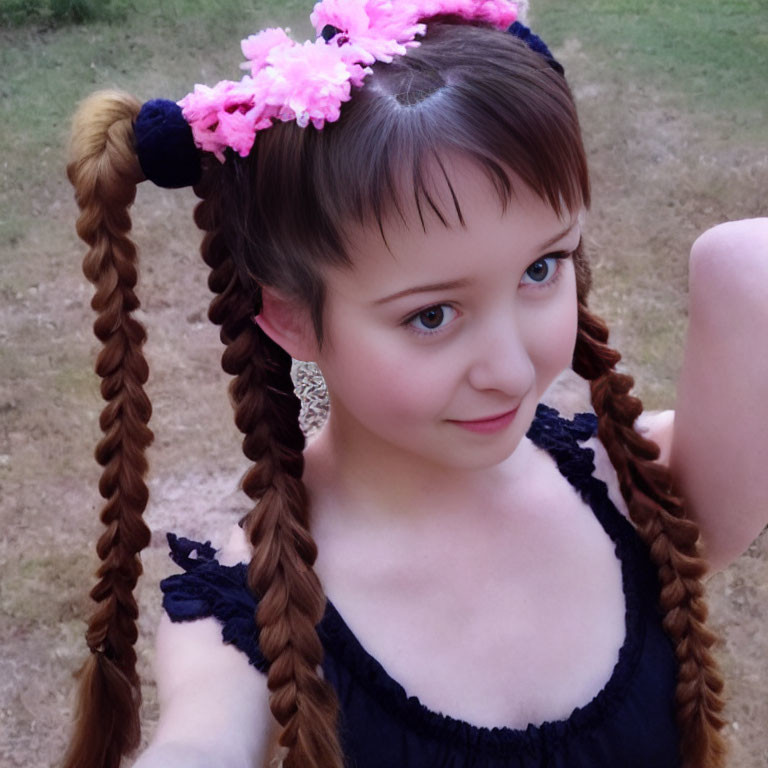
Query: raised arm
point(719, 455)
point(214, 710)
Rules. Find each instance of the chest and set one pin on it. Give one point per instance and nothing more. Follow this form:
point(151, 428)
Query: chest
point(514, 616)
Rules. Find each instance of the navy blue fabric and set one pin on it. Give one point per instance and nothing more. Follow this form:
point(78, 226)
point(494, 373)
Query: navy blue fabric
point(535, 43)
point(630, 723)
point(164, 145)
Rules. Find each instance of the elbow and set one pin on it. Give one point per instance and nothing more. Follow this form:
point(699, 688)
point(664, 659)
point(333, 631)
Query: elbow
point(732, 253)
point(728, 279)
point(725, 239)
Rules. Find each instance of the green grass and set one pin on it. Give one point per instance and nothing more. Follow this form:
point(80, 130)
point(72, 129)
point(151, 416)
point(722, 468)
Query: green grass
point(150, 49)
point(20, 12)
point(713, 54)
point(57, 13)
point(159, 49)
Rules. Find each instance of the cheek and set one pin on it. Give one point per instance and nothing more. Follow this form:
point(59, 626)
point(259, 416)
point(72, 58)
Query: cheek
point(555, 337)
point(564, 335)
point(383, 379)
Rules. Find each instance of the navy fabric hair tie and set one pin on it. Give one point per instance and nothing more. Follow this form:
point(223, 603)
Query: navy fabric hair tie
point(535, 43)
point(164, 145)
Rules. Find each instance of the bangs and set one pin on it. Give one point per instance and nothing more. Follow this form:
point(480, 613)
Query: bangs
point(468, 91)
point(505, 110)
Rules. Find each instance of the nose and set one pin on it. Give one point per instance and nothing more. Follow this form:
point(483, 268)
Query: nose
point(499, 358)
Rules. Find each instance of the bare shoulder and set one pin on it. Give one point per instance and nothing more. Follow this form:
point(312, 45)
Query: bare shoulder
point(214, 705)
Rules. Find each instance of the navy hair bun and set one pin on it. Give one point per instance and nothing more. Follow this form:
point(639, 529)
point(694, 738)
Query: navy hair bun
point(164, 145)
point(535, 43)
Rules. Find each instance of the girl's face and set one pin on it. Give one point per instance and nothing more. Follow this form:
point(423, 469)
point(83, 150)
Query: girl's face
point(455, 324)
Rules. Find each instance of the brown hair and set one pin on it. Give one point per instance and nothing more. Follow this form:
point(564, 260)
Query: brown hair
point(104, 172)
point(277, 218)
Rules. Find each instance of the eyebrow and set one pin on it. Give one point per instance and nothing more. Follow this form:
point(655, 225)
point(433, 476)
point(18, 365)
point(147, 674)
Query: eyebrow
point(566, 231)
point(447, 286)
point(465, 282)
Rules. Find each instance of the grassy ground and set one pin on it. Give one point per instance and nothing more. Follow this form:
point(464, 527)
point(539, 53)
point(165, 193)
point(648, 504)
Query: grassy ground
point(674, 111)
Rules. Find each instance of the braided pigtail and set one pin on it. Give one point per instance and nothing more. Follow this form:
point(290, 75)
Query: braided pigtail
point(104, 172)
point(291, 599)
point(659, 516)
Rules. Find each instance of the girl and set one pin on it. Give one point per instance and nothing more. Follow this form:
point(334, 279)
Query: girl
point(517, 589)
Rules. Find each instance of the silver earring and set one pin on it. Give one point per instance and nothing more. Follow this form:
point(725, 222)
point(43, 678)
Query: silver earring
point(309, 385)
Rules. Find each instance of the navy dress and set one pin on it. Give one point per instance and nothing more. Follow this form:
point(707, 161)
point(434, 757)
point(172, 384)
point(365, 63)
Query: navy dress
point(629, 724)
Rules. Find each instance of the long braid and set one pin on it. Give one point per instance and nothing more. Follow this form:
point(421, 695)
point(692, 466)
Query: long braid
point(659, 516)
point(291, 599)
point(104, 172)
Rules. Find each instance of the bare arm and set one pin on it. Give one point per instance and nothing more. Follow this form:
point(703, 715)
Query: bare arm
point(214, 710)
point(719, 448)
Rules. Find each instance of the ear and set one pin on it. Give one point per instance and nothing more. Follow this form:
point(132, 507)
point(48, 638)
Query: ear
point(288, 324)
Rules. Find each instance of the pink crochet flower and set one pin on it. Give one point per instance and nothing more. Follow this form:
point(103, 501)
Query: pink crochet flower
point(257, 48)
point(309, 82)
point(500, 13)
point(227, 115)
point(379, 29)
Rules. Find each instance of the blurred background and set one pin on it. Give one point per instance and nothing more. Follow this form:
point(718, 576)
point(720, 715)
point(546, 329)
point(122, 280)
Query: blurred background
point(674, 108)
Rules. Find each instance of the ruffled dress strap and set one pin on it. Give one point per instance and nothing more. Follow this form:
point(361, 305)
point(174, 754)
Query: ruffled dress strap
point(561, 438)
point(208, 588)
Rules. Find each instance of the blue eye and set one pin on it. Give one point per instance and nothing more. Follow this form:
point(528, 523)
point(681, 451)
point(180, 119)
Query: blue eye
point(431, 320)
point(543, 270)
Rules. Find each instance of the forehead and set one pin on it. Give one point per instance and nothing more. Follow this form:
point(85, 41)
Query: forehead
point(404, 252)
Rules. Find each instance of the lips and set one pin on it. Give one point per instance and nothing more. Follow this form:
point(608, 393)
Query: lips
point(483, 420)
point(489, 425)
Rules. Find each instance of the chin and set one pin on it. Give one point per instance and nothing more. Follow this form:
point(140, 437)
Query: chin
point(478, 452)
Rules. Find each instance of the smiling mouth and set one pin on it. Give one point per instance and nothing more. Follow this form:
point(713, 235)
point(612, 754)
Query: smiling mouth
point(487, 419)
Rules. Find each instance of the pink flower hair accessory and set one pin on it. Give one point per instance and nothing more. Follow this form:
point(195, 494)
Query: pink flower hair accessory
point(309, 82)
